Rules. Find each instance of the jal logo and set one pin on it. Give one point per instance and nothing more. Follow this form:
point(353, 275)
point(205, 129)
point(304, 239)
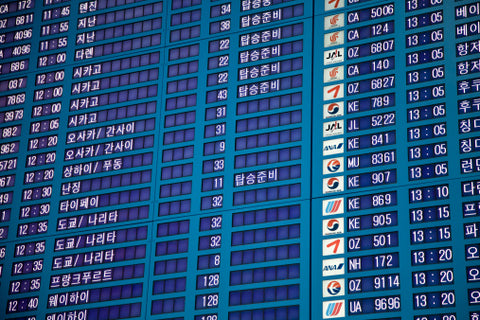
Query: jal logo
point(333, 56)
point(333, 74)
point(332, 288)
point(334, 39)
point(333, 128)
point(333, 309)
point(334, 146)
point(334, 165)
point(333, 246)
point(333, 267)
point(333, 226)
point(334, 21)
point(332, 206)
point(332, 110)
point(334, 184)
point(334, 4)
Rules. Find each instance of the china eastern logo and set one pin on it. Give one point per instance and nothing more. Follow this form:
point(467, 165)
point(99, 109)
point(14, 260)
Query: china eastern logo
point(332, 206)
point(333, 288)
point(333, 309)
point(333, 267)
point(333, 226)
point(332, 110)
point(334, 165)
point(333, 184)
point(334, 21)
point(334, 39)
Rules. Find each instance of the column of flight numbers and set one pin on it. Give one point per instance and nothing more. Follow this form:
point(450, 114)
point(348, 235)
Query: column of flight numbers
point(16, 35)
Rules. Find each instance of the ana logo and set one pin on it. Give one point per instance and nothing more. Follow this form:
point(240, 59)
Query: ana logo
point(332, 110)
point(333, 56)
point(334, 146)
point(333, 246)
point(332, 267)
point(334, 184)
point(333, 309)
point(332, 206)
point(332, 226)
point(333, 128)
point(333, 165)
point(334, 21)
point(332, 288)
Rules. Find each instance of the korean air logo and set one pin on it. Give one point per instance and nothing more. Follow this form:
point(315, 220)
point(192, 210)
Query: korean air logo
point(334, 184)
point(334, 21)
point(332, 110)
point(333, 267)
point(334, 39)
point(334, 146)
point(333, 226)
point(332, 206)
point(333, 309)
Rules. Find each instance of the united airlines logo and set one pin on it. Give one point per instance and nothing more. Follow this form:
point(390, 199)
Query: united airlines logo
point(333, 128)
point(333, 267)
point(332, 288)
point(334, 21)
point(332, 206)
point(333, 56)
point(334, 184)
point(332, 226)
point(333, 74)
point(332, 110)
point(333, 309)
point(334, 39)
point(334, 165)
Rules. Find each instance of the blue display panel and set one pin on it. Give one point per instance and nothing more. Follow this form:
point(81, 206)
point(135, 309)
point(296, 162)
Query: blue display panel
point(258, 159)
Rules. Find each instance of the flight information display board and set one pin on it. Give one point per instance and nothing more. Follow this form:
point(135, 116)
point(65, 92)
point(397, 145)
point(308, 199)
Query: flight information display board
point(334, 144)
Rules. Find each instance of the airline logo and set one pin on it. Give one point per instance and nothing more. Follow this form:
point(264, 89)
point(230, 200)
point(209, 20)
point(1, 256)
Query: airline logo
point(333, 288)
point(334, 39)
point(333, 56)
point(334, 4)
point(333, 74)
point(333, 226)
point(334, 21)
point(332, 206)
point(333, 110)
point(333, 184)
point(333, 267)
point(333, 309)
point(333, 246)
point(333, 92)
point(333, 146)
point(334, 165)
point(333, 128)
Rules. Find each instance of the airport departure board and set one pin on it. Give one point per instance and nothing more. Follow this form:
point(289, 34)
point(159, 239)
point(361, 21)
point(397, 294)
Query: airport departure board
point(240, 159)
